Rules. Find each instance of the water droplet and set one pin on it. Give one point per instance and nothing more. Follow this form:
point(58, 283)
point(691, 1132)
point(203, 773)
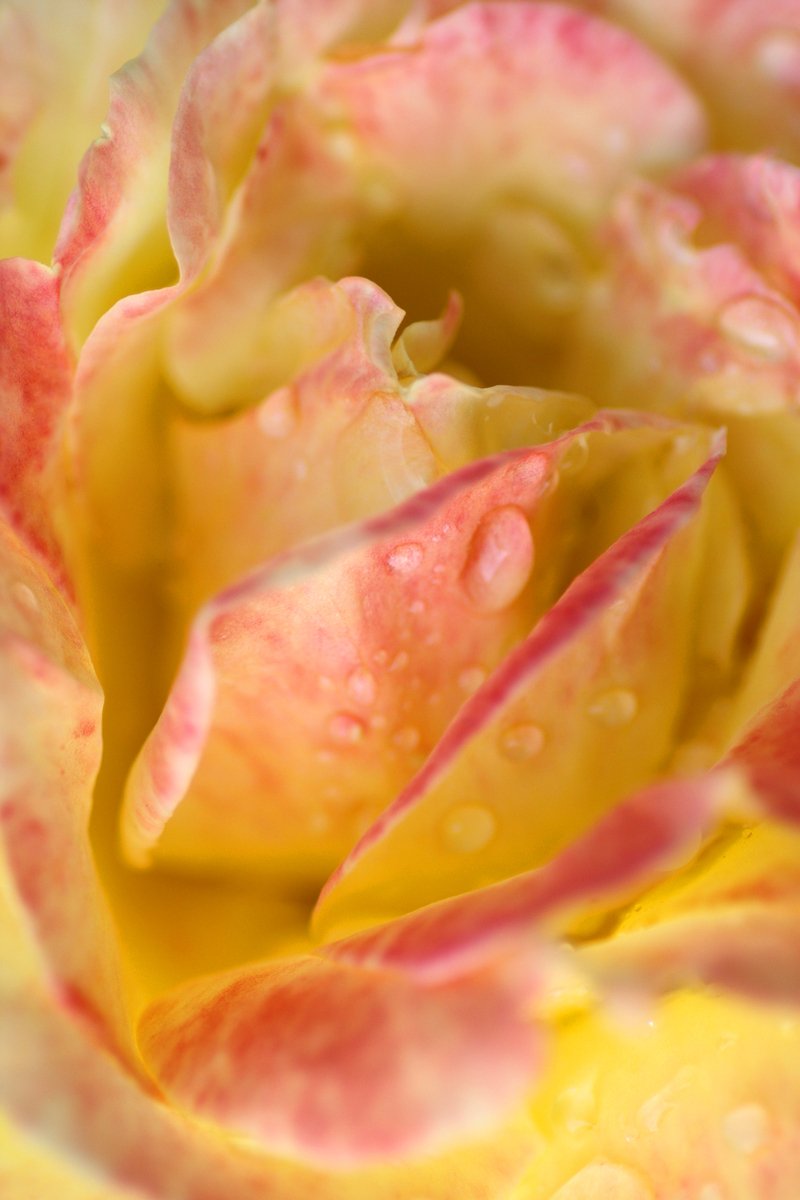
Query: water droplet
point(522, 742)
point(471, 678)
point(319, 823)
point(617, 706)
point(710, 1191)
point(381, 657)
point(468, 828)
point(361, 685)
point(575, 455)
point(346, 728)
point(761, 327)
point(25, 598)
point(406, 739)
point(778, 56)
point(400, 661)
point(416, 606)
point(300, 469)
point(405, 557)
point(746, 1128)
point(106, 132)
point(605, 1179)
point(499, 560)
point(277, 416)
point(576, 1107)
point(654, 1110)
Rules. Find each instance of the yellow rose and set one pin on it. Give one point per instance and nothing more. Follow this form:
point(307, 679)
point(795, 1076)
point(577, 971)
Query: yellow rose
point(402, 451)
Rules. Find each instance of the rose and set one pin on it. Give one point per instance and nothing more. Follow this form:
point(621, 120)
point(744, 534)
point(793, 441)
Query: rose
point(530, 629)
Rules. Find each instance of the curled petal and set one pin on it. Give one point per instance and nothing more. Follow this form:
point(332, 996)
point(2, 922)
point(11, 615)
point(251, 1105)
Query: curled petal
point(342, 1066)
point(504, 744)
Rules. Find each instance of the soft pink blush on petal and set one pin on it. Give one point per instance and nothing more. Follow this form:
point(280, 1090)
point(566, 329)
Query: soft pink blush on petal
point(567, 665)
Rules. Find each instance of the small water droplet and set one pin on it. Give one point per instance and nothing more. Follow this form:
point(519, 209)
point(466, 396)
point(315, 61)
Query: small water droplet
point(778, 56)
point(319, 823)
point(654, 1110)
point(400, 661)
point(468, 828)
point(746, 1128)
point(300, 469)
point(760, 326)
point(106, 132)
point(25, 598)
point(576, 1107)
point(617, 706)
point(346, 728)
point(277, 416)
point(499, 560)
point(405, 557)
point(605, 1179)
point(416, 606)
point(381, 657)
point(406, 739)
point(471, 678)
point(361, 685)
point(710, 1191)
point(522, 742)
point(575, 455)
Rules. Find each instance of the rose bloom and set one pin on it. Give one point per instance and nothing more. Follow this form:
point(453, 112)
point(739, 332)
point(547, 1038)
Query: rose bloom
point(400, 463)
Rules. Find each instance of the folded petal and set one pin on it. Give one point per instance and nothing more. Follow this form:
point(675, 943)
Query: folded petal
point(404, 629)
point(504, 790)
point(340, 1066)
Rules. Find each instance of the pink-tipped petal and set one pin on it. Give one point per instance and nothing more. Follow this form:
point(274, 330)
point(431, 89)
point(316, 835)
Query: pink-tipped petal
point(404, 628)
point(506, 786)
point(50, 751)
point(35, 391)
point(341, 1066)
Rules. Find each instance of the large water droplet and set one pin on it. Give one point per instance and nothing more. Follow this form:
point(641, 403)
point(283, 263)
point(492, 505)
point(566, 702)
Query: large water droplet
point(605, 1179)
point(404, 558)
point(500, 559)
point(761, 327)
point(746, 1128)
point(617, 706)
point(468, 828)
point(277, 416)
point(361, 685)
point(346, 728)
point(522, 742)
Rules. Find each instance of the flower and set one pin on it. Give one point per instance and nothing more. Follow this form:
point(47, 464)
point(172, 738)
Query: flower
point(400, 457)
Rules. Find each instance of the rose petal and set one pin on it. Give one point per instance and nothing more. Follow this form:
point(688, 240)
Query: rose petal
point(113, 240)
point(708, 40)
point(42, 59)
point(373, 699)
point(50, 750)
point(342, 1066)
point(84, 1115)
point(469, 809)
point(35, 389)
point(698, 1097)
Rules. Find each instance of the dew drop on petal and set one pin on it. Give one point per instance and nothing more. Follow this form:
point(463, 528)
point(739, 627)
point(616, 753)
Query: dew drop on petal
point(361, 685)
point(25, 598)
point(576, 1107)
point(407, 738)
point(499, 560)
point(404, 558)
point(617, 706)
point(605, 1179)
point(778, 56)
point(346, 728)
point(468, 828)
point(400, 661)
point(522, 742)
point(471, 678)
point(277, 416)
point(575, 455)
point(761, 327)
point(746, 1128)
